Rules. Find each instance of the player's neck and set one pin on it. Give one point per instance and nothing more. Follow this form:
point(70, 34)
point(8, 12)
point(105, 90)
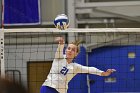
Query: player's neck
point(69, 60)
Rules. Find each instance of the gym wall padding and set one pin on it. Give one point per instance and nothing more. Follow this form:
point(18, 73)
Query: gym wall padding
point(127, 75)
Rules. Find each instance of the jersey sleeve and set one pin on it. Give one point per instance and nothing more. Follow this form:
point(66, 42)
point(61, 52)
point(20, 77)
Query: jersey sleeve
point(89, 70)
point(59, 51)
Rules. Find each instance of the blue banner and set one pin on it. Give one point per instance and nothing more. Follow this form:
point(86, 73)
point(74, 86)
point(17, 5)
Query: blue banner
point(21, 12)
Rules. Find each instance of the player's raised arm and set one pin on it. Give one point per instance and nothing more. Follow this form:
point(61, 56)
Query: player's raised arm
point(59, 51)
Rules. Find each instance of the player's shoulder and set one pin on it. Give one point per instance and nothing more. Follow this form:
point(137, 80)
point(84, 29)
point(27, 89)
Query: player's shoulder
point(76, 65)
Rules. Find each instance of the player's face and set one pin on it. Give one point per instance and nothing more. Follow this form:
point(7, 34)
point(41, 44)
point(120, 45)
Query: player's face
point(71, 51)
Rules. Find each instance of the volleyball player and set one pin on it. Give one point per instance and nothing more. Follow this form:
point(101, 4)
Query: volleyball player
point(64, 69)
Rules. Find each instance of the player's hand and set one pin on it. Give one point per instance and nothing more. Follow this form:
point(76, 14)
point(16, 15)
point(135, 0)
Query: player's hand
point(60, 40)
point(62, 27)
point(65, 26)
point(108, 72)
point(59, 27)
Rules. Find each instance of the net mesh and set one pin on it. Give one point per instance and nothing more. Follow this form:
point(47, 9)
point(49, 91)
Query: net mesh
point(29, 54)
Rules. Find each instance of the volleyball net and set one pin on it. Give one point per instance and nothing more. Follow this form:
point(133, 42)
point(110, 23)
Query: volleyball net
point(27, 54)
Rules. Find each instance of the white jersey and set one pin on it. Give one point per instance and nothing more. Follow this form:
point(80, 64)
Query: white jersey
point(62, 72)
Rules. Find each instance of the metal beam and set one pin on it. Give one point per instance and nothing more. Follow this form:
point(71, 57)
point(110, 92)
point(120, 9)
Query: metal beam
point(119, 15)
point(72, 18)
point(89, 21)
point(101, 4)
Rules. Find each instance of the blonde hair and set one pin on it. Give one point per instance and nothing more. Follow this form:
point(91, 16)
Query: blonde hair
point(77, 43)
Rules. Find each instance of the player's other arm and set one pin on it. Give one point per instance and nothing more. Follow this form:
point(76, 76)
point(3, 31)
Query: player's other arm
point(93, 70)
point(59, 51)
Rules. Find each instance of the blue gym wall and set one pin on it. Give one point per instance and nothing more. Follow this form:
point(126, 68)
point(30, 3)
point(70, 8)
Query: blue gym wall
point(115, 57)
point(79, 83)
